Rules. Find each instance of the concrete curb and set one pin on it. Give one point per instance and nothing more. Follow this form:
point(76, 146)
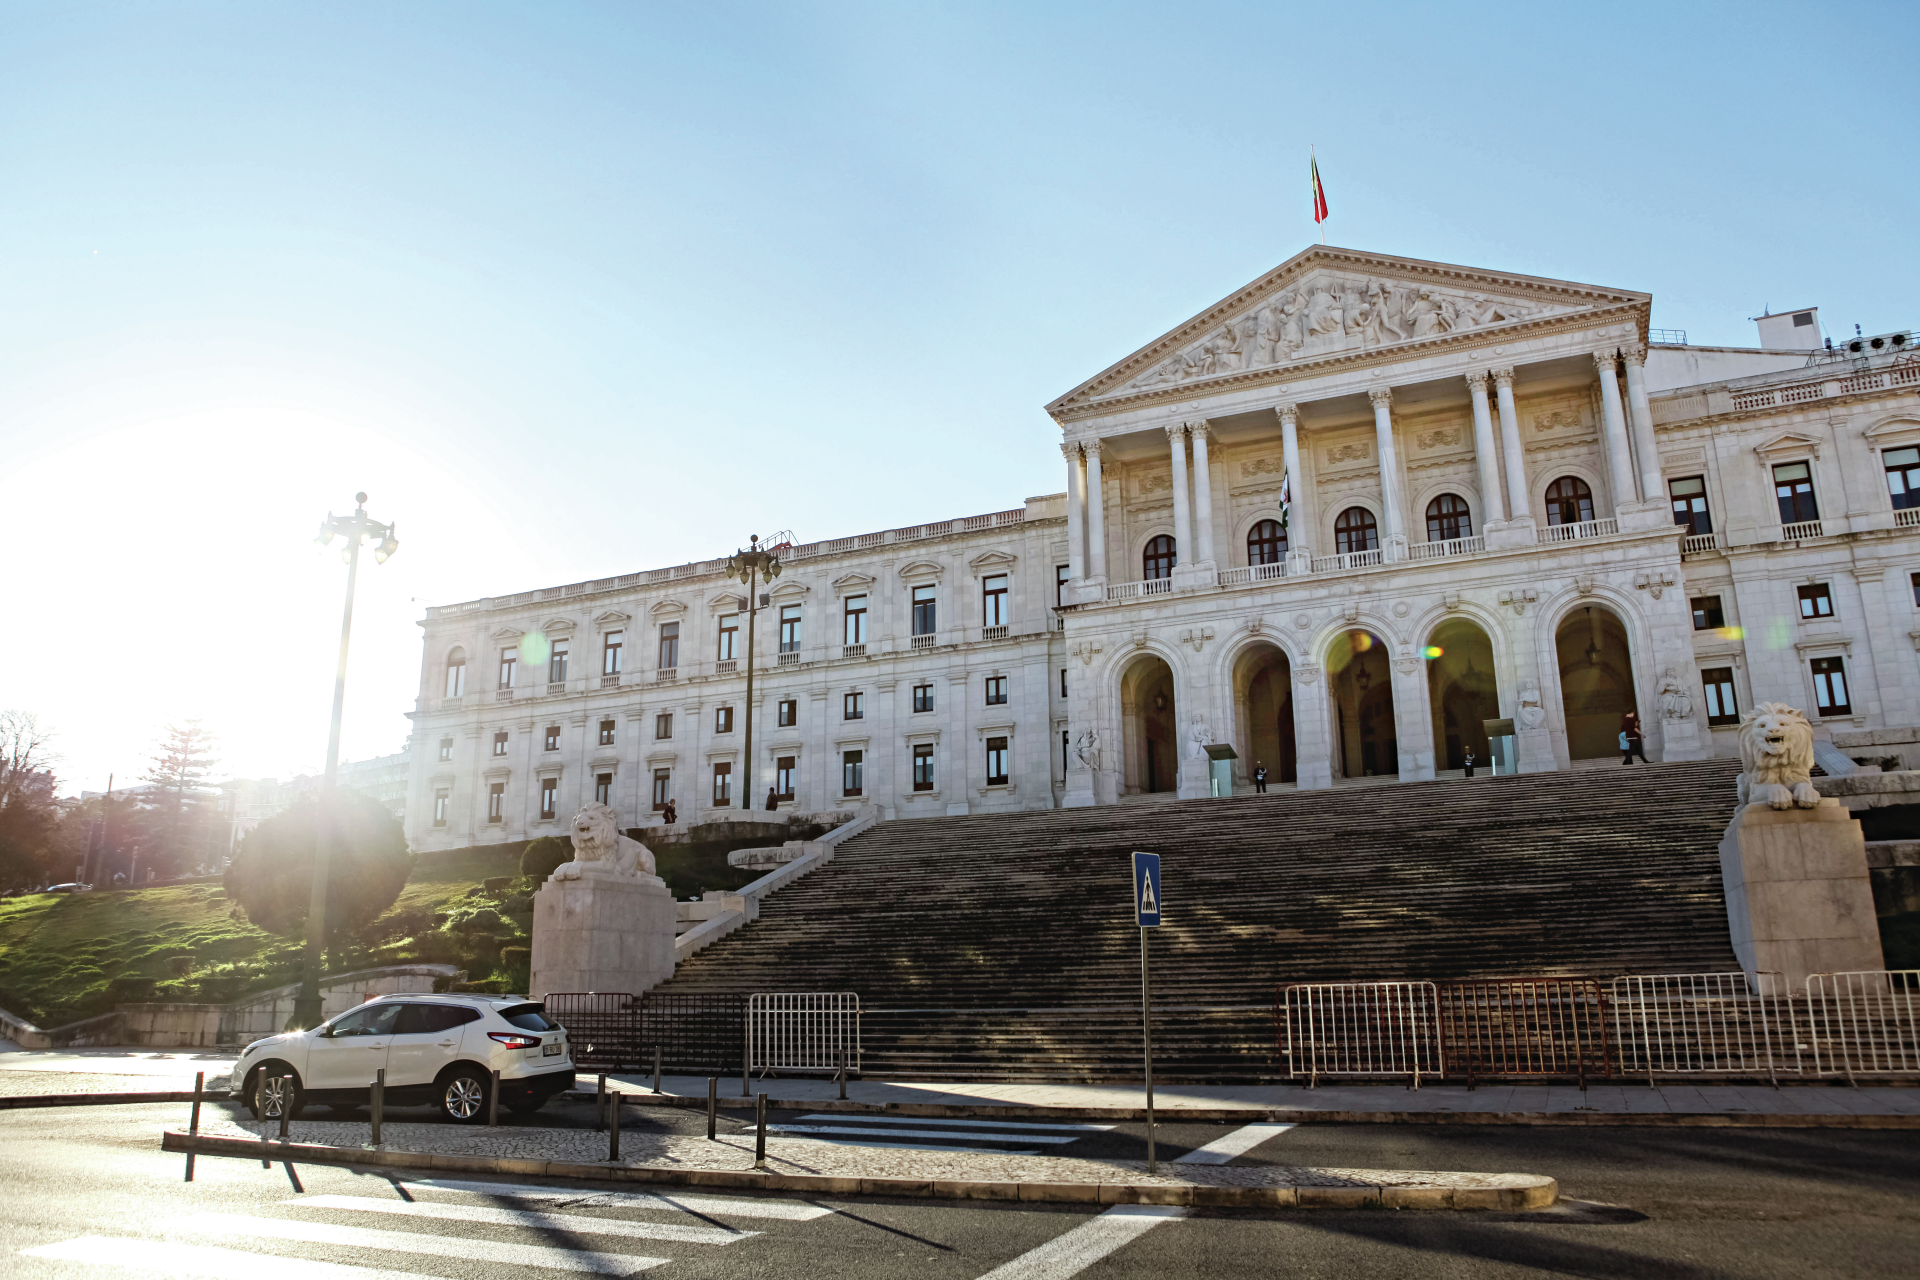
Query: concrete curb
point(109, 1099)
point(1528, 1192)
point(1283, 1115)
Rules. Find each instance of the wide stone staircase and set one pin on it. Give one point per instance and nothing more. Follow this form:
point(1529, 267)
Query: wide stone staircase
point(1003, 946)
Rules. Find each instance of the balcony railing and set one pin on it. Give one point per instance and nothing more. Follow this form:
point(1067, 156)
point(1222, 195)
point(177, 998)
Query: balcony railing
point(556, 687)
point(1907, 519)
point(503, 695)
point(1583, 529)
point(853, 650)
point(1699, 544)
point(993, 633)
point(726, 666)
point(789, 658)
point(1800, 529)
point(1240, 575)
point(664, 675)
point(1468, 546)
point(1136, 590)
point(1346, 560)
point(921, 642)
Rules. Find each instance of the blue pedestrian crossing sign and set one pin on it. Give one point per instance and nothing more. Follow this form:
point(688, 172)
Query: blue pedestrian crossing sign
point(1146, 889)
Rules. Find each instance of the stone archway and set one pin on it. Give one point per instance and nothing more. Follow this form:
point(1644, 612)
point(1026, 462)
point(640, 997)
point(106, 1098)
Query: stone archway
point(1596, 680)
point(1263, 712)
point(1461, 692)
point(1360, 678)
point(1149, 727)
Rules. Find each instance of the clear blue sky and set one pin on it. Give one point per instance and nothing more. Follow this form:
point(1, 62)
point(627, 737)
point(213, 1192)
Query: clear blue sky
point(579, 289)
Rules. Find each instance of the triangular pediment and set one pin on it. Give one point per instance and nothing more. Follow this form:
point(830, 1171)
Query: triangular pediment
point(1795, 442)
point(1338, 306)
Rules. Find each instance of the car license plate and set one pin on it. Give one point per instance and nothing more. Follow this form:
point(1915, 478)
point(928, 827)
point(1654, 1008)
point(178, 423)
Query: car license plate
point(552, 1050)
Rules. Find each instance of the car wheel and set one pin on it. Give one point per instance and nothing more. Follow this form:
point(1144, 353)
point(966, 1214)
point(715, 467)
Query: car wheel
point(463, 1096)
point(272, 1094)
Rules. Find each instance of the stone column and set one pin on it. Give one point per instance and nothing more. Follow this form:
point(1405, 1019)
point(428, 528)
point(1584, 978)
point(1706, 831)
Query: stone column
point(1300, 516)
point(1519, 500)
point(1493, 510)
point(1395, 541)
point(1182, 521)
point(1412, 718)
point(1202, 495)
point(1096, 514)
point(1312, 730)
point(1645, 448)
point(1076, 509)
point(1619, 455)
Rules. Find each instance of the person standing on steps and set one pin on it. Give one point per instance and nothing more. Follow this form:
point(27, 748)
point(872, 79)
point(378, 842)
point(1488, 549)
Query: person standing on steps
point(1259, 778)
point(1469, 764)
point(668, 814)
point(773, 800)
point(1632, 743)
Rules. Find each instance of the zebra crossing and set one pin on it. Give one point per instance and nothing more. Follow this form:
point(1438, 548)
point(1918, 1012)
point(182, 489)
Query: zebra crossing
point(236, 1246)
point(915, 1133)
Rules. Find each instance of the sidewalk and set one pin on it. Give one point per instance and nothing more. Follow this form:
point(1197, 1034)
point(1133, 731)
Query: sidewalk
point(1870, 1106)
point(27, 1072)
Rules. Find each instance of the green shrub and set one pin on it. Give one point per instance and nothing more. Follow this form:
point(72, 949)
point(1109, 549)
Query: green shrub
point(516, 957)
point(272, 872)
point(541, 856)
point(497, 884)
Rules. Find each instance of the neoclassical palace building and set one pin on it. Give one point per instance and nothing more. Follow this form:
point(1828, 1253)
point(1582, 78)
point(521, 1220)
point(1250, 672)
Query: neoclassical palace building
point(1366, 516)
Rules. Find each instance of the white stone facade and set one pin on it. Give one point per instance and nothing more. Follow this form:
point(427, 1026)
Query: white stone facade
point(1483, 469)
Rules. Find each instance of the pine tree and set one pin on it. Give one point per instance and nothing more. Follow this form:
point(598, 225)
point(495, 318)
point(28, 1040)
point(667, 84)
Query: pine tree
point(180, 766)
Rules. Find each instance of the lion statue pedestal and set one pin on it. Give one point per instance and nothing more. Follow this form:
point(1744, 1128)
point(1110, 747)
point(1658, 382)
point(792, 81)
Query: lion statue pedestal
point(1792, 862)
point(603, 922)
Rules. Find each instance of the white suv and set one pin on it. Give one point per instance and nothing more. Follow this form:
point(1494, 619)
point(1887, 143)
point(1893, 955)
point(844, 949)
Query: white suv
point(438, 1049)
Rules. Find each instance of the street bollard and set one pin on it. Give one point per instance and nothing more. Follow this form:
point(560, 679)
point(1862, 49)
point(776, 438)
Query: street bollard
point(377, 1112)
point(843, 1073)
point(713, 1105)
point(193, 1121)
point(493, 1101)
point(656, 1068)
point(600, 1104)
point(613, 1127)
point(286, 1108)
point(760, 1132)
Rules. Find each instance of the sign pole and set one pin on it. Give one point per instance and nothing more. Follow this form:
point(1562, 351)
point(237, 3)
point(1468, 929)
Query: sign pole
point(1146, 1034)
point(1146, 915)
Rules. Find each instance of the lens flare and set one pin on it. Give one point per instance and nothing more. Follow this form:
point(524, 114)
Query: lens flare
point(535, 648)
point(1362, 641)
point(1433, 651)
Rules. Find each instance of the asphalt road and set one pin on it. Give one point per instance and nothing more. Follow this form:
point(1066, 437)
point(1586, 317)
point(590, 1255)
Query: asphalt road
point(90, 1185)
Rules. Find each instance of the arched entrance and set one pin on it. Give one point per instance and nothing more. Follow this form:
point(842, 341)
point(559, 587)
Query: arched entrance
point(1363, 725)
point(1461, 692)
point(1263, 710)
point(1596, 680)
point(1149, 726)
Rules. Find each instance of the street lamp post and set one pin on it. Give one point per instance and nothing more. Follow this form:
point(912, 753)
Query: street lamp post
point(747, 567)
point(356, 528)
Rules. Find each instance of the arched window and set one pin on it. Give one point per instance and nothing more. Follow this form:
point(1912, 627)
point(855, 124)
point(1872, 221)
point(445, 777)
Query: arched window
point(456, 672)
point(1569, 501)
point(1447, 518)
point(1355, 531)
point(1267, 543)
point(1157, 560)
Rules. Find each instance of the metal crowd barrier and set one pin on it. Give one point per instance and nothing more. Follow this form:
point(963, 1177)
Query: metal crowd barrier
point(1361, 1029)
point(802, 1031)
point(1526, 1027)
point(615, 1031)
point(1723, 1024)
point(1864, 1023)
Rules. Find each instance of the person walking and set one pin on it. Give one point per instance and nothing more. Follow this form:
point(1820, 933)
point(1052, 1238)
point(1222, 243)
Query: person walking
point(669, 814)
point(773, 800)
point(1632, 743)
point(1259, 778)
point(1469, 764)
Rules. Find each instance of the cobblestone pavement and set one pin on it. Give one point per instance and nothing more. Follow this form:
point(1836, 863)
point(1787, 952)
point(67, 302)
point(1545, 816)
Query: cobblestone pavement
point(808, 1156)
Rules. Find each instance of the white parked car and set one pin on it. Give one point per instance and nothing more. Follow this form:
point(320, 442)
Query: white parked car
point(441, 1049)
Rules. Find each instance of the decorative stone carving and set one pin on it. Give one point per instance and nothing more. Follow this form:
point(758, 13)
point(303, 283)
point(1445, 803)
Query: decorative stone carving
point(1407, 664)
point(1358, 451)
point(597, 840)
point(1305, 620)
point(1088, 749)
point(1307, 675)
point(1197, 739)
point(1154, 482)
point(1197, 637)
point(1070, 450)
point(1438, 438)
point(1776, 758)
point(1654, 583)
point(1084, 650)
point(1557, 420)
point(1381, 396)
point(1675, 702)
point(1262, 467)
point(1401, 608)
point(603, 922)
point(1531, 714)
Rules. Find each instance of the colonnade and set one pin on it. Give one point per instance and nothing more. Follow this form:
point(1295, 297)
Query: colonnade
point(1631, 459)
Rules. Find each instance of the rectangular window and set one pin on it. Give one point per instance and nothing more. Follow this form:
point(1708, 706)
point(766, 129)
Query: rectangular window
point(669, 646)
point(509, 661)
point(996, 762)
point(723, 784)
point(663, 725)
point(852, 773)
point(1830, 687)
point(993, 601)
point(853, 706)
point(446, 748)
point(1903, 477)
point(553, 737)
point(610, 649)
point(603, 788)
point(442, 800)
point(496, 801)
point(1719, 685)
point(1063, 682)
point(500, 743)
point(1793, 488)
point(923, 618)
point(1816, 601)
point(783, 777)
point(457, 678)
point(1689, 496)
point(923, 693)
point(557, 662)
point(549, 796)
point(729, 637)
point(787, 713)
point(923, 767)
point(606, 733)
point(1913, 580)
point(1060, 585)
point(1065, 742)
point(996, 691)
point(789, 628)
point(856, 620)
point(661, 790)
point(1707, 613)
point(723, 719)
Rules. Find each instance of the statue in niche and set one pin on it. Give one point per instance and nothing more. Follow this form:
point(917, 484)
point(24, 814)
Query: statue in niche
point(1088, 749)
point(1675, 702)
point(1324, 313)
point(1531, 714)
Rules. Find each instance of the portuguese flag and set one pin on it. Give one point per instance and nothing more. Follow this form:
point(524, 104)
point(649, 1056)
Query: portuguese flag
point(1319, 192)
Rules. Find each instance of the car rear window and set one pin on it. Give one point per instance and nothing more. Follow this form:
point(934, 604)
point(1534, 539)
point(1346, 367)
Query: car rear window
point(528, 1017)
point(425, 1019)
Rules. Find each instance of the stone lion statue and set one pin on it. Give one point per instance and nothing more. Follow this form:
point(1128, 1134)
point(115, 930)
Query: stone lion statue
point(1776, 758)
point(597, 838)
